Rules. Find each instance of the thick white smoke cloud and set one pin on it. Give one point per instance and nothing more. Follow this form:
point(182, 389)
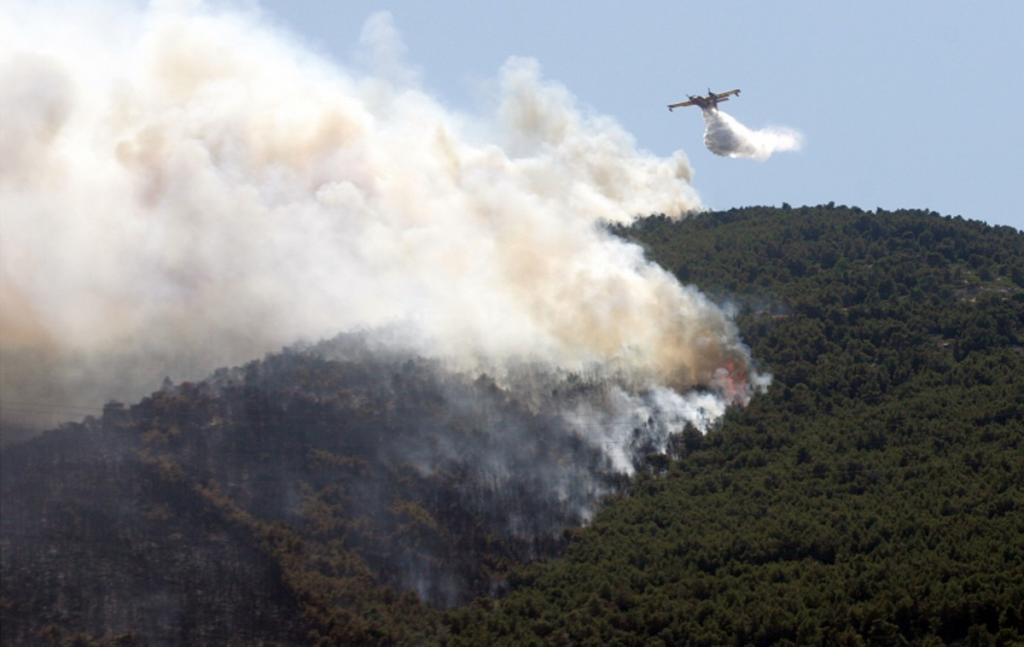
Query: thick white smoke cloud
point(182, 189)
point(724, 135)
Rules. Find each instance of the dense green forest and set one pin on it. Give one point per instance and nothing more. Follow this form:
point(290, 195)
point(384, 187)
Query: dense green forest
point(874, 494)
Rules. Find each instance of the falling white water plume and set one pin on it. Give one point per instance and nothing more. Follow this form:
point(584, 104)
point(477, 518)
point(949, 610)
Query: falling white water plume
point(184, 188)
point(724, 135)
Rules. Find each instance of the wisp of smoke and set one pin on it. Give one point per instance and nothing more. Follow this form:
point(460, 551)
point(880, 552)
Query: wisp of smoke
point(191, 189)
point(724, 135)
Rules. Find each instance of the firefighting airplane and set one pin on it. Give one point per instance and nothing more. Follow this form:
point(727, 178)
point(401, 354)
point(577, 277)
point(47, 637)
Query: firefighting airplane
point(710, 101)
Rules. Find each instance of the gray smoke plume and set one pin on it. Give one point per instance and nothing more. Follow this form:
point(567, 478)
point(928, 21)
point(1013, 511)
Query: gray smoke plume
point(724, 135)
point(183, 188)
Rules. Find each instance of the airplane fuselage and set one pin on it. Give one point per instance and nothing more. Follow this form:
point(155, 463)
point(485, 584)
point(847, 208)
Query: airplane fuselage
point(708, 102)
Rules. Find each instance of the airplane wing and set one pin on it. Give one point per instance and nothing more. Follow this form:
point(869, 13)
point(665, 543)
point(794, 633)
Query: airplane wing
point(681, 104)
point(721, 96)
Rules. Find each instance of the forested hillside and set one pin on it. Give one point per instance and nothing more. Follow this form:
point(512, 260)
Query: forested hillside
point(874, 493)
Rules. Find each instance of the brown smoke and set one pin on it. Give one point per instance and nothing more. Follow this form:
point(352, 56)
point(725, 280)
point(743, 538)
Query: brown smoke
point(191, 189)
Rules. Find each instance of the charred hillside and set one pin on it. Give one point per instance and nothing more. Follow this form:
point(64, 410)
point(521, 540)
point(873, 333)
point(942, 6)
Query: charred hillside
point(324, 493)
point(326, 484)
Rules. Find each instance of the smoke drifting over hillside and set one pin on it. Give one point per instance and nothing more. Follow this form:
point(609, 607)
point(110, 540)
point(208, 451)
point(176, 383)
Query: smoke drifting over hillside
point(190, 189)
point(724, 135)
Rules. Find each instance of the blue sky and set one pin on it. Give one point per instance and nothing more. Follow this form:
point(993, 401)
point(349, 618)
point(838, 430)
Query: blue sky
point(902, 104)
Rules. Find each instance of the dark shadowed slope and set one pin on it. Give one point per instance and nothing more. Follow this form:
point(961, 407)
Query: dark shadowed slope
point(298, 493)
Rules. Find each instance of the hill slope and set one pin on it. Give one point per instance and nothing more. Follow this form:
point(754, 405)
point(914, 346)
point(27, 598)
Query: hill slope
point(298, 494)
point(875, 491)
